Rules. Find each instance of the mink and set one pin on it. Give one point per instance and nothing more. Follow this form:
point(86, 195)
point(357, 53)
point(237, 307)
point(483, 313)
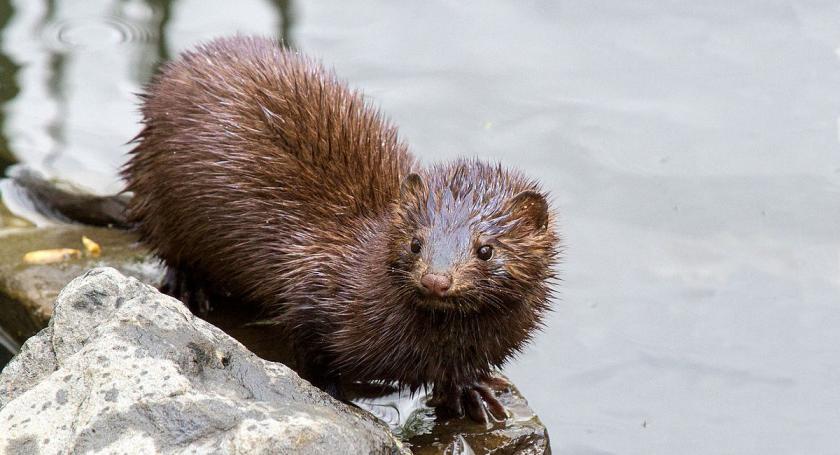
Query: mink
point(261, 175)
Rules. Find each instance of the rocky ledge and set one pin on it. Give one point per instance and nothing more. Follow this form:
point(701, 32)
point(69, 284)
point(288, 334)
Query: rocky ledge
point(122, 368)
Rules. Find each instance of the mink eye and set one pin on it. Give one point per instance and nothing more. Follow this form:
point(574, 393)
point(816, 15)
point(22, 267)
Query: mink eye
point(415, 245)
point(485, 252)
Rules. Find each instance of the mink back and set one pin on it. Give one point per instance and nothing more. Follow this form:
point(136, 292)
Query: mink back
point(250, 156)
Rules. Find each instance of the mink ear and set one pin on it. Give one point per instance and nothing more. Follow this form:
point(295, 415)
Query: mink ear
point(530, 207)
point(412, 184)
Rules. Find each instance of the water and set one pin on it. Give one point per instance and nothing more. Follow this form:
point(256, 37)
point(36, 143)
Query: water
point(691, 149)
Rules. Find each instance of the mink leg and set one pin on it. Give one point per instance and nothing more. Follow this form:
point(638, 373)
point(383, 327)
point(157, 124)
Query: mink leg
point(181, 284)
point(474, 399)
point(314, 366)
point(331, 384)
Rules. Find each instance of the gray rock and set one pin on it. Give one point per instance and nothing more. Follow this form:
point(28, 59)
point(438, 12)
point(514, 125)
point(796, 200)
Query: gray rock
point(124, 369)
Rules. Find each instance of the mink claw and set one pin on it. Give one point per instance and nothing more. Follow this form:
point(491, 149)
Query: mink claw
point(475, 400)
point(496, 408)
point(474, 405)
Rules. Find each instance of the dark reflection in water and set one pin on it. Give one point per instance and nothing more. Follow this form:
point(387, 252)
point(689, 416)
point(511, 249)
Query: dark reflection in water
point(8, 87)
point(163, 10)
point(55, 86)
point(285, 11)
point(84, 62)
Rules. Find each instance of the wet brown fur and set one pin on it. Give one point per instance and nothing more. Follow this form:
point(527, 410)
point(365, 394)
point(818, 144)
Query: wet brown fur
point(263, 174)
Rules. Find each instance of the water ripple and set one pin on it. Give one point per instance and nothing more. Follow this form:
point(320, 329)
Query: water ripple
point(92, 33)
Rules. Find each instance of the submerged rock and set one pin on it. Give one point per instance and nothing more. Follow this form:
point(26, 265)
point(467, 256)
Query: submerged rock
point(124, 369)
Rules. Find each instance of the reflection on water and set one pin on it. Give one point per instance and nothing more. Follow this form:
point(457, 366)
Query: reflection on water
point(691, 147)
point(82, 64)
point(8, 87)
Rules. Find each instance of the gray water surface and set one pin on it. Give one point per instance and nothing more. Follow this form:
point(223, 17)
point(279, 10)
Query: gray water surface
point(691, 149)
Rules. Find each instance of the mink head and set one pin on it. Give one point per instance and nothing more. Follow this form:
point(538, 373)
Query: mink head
point(470, 236)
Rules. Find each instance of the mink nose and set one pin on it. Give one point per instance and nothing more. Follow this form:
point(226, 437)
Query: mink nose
point(436, 284)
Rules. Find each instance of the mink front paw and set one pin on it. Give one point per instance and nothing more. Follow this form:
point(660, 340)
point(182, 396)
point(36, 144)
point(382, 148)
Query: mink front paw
point(473, 399)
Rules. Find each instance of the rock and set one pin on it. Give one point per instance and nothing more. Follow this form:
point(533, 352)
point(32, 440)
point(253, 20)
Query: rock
point(122, 368)
point(27, 291)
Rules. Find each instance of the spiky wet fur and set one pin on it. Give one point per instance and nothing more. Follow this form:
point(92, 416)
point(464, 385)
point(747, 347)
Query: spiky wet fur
point(260, 172)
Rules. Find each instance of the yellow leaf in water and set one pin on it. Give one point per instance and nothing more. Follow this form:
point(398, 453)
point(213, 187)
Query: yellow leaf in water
point(92, 247)
point(51, 256)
